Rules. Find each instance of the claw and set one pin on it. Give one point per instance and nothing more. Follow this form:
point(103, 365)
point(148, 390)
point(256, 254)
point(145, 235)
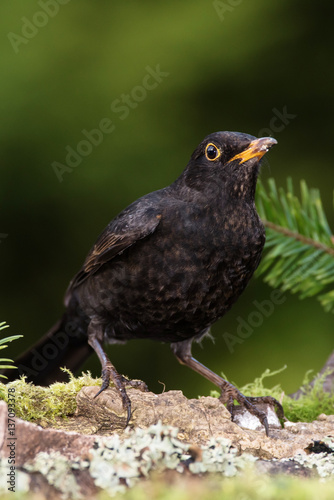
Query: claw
point(128, 415)
point(264, 422)
point(106, 375)
point(99, 392)
point(231, 393)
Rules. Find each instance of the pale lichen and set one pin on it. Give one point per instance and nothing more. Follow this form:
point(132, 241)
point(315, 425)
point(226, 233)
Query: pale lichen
point(115, 464)
point(322, 463)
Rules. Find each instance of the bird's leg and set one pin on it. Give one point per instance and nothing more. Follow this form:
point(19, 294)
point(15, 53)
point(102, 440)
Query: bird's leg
point(109, 372)
point(229, 393)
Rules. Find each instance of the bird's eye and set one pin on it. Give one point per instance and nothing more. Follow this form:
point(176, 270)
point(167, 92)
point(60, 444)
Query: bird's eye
point(212, 152)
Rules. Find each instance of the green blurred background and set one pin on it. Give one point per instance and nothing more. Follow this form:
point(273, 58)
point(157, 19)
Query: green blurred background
point(231, 65)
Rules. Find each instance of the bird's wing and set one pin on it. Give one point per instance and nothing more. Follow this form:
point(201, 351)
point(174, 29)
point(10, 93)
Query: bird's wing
point(136, 222)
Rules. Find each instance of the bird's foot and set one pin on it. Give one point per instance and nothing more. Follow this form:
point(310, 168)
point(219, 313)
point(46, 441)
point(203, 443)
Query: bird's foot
point(230, 394)
point(109, 372)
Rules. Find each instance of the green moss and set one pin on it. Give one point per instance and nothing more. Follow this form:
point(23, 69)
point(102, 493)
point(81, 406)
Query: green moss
point(35, 403)
point(307, 408)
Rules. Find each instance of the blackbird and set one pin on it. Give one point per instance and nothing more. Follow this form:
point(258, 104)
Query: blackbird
point(166, 268)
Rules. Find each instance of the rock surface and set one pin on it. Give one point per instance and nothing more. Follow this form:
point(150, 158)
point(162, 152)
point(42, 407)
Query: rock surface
point(198, 421)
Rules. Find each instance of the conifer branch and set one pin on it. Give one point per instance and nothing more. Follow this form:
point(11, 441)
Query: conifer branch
point(299, 237)
point(299, 250)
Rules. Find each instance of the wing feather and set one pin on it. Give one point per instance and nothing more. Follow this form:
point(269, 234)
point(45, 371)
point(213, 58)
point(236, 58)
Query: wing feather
point(136, 222)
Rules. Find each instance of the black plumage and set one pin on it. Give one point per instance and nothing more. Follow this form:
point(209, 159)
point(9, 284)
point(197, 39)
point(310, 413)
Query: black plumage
point(167, 267)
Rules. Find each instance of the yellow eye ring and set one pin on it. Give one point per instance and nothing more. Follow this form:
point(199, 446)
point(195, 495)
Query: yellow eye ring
point(212, 153)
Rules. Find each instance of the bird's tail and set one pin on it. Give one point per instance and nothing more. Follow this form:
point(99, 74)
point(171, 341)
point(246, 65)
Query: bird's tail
point(65, 344)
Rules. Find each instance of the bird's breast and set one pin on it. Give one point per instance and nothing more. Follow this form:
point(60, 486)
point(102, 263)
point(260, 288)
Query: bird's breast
point(211, 250)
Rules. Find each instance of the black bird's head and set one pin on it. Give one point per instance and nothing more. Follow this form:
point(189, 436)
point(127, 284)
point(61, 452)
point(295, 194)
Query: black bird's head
point(227, 163)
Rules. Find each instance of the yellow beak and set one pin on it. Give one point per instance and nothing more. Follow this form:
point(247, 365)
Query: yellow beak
point(257, 148)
